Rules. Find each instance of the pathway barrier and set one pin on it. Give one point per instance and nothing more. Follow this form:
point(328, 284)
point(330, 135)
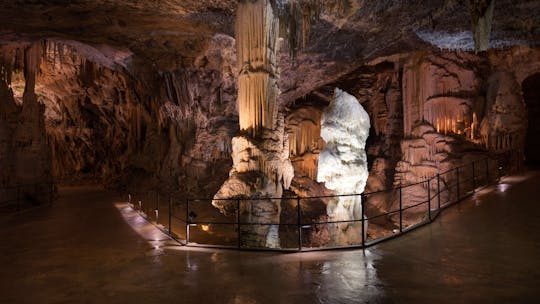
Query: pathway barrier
point(195, 222)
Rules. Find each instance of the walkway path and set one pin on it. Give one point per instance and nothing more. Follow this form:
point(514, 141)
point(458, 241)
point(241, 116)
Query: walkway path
point(90, 248)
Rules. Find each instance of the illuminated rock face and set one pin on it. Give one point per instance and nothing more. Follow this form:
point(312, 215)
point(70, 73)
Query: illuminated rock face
point(305, 142)
point(343, 163)
point(257, 50)
point(261, 169)
point(170, 130)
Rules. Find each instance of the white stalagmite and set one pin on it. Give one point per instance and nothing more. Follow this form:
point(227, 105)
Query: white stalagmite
point(343, 163)
point(257, 30)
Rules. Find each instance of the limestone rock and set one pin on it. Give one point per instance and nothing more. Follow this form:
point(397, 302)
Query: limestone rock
point(343, 164)
point(261, 170)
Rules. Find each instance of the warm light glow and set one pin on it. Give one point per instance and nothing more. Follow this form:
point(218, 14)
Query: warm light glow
point(205, 228)
point(257, 42)
point(156, 238)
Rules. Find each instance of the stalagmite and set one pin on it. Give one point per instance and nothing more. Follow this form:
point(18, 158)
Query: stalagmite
point(343, 163)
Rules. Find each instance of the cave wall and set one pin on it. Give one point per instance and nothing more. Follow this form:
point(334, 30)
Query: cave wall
point(429, 111)
point(123, 124)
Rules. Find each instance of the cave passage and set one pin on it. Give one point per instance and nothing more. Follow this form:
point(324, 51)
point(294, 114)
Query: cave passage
point(531, 96)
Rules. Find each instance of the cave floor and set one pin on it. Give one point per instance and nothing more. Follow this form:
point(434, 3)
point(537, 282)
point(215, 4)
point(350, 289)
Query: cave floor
point(89, 247)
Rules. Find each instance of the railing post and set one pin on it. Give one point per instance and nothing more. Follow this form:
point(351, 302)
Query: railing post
point(457, 183)
point(438, 191)
point(157, 207)
point(238, 222)
point(473, 178)
point(363, 204)
point(429, 198)
point(187, 221)
point(299, 210)
point(400, 210)
point(147, 204)
point(170, 214)
point(499, 170)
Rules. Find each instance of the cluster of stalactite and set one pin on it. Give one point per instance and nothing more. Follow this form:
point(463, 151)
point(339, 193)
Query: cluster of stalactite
point(178, 92)
point(257, 45)
point(450, 115)
point(305, 143)
point(305, 138)
point(297, 17)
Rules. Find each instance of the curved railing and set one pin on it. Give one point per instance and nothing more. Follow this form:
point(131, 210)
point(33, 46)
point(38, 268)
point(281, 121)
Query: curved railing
point(22, 196)
point(303, 226)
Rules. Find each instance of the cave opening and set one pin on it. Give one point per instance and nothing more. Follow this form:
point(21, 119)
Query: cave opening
point(531, 96)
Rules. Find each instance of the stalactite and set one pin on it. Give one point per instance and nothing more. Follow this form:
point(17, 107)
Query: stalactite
point(304, 138)
point(257, 46)
point(447, 115)
point(481, 20)
point(296, 18)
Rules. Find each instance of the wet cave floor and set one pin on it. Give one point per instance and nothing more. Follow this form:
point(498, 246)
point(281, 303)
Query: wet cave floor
point(89, 247)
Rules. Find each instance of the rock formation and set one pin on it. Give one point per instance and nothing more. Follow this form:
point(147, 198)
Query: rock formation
point(504, 125)
point(26, 160)
point(481, 20)
point(305, 142)
point(343, 164)
point(136, 95)
point(261, 165)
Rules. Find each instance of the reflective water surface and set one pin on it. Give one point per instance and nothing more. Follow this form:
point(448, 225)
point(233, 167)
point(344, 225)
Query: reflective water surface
point(89, 247)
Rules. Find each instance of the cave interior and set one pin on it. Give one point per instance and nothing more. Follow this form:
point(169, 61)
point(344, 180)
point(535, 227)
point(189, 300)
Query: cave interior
point(222, 99)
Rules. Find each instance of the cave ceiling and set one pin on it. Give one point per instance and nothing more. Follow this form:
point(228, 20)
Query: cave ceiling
point(170, 34)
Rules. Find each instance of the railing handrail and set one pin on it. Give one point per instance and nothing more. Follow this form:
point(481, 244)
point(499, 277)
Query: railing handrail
point(436, 185)
point(430, 178)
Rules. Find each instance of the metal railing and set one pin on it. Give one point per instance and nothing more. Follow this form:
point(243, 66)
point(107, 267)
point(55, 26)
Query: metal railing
point(22, 196)
point(302, 225)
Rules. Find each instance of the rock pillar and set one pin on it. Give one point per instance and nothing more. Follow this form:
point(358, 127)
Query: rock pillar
point(261, 165)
